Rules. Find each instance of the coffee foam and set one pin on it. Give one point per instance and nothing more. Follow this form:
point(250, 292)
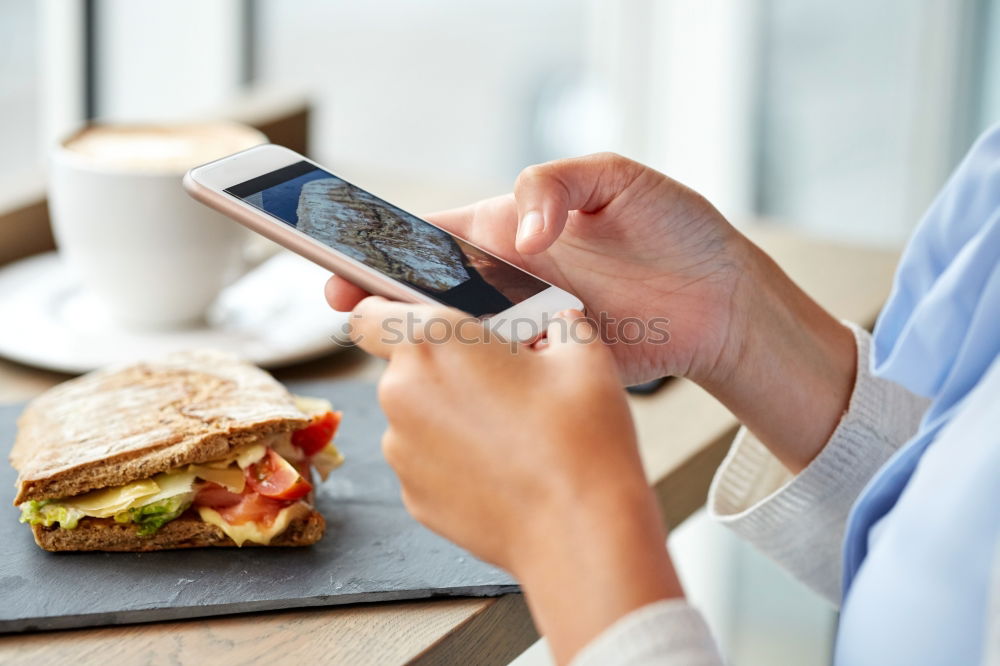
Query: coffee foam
point(160, 148)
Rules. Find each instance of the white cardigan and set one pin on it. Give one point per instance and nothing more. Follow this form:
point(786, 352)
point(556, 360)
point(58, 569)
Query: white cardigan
point(797, 520)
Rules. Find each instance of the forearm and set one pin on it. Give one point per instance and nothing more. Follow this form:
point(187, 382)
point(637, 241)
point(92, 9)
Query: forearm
point(754, 494)
point(789, 372)
point(603, 557)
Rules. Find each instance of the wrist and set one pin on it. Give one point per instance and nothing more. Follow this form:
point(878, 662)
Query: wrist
point(601, 555)
point(789, 367)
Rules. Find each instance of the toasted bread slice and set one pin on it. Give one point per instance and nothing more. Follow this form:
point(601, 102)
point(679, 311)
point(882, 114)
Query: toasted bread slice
point(187, 531)
point(115, 426)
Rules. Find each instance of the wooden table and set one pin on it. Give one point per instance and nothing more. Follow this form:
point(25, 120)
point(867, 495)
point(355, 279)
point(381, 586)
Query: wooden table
point(683, 433)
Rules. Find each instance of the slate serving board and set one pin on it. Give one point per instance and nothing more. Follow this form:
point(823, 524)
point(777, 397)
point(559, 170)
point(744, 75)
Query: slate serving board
point(372, 551)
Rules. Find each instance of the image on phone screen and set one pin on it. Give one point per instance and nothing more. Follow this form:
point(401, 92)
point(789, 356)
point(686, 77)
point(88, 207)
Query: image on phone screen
point(388, 239)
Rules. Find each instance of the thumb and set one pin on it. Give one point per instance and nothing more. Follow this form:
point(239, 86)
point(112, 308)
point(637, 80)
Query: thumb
point(546, 193)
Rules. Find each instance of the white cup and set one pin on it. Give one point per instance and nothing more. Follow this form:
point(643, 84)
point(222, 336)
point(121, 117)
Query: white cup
point(126, 228)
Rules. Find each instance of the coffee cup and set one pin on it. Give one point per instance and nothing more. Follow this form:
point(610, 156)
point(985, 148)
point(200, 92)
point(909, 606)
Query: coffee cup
point(125, 227)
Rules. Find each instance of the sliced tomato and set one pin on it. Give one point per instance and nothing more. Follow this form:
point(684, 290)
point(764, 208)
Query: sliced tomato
point(215, 496)
point(237, 509)
point(252, 508)
point(311, 439)
point(276, 478)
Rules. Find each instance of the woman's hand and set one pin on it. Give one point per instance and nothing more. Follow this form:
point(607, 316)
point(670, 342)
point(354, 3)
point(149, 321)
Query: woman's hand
point(526, 457)
point(632, 243)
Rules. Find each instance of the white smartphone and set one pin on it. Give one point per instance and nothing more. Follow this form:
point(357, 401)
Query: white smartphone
point(377, 246)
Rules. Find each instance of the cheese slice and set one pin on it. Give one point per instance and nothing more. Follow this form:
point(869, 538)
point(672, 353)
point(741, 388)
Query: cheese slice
point(247, 456)
point(251, 455)
point(108, 502)
point(254, 532)
point(312, 406)
point(328, 459)
point(232, 478)
point(171, 484)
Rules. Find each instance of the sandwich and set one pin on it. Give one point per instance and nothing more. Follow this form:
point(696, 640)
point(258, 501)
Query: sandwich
point(195, 449)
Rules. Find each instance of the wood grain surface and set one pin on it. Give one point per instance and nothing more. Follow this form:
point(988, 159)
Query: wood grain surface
point(448, 631)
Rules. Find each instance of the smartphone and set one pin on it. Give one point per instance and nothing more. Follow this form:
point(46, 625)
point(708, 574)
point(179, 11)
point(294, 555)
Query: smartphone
point(368, 241)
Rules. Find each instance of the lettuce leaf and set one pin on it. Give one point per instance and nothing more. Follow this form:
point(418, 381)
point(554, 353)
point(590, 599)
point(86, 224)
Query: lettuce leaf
point(151, 517)
point(47, 513)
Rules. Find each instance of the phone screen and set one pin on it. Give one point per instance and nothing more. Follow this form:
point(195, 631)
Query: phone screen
point(388, 239)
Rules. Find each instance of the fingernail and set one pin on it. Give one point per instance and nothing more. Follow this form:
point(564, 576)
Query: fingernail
point(532, 224)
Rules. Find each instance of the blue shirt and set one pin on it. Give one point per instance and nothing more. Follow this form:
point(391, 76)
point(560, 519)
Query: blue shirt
point(922, 540)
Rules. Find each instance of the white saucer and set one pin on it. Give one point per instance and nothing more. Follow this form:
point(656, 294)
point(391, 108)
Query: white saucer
point(273, 316)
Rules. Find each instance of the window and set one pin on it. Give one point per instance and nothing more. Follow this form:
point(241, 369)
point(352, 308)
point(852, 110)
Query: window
point(442, 91)
point(131, 60)
point(20, 96)
point(162, 61)
point(864, 109)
